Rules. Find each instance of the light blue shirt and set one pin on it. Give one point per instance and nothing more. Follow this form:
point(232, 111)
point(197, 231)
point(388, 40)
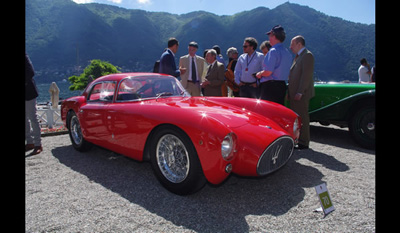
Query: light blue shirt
point(220, 58)
point(278, 60)
point(253, 64)
point(300, 51)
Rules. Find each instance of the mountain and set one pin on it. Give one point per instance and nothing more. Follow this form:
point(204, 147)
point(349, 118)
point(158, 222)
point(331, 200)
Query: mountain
point(62, 35)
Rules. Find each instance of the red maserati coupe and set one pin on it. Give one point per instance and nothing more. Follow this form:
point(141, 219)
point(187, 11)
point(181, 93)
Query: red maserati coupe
point(188, 140)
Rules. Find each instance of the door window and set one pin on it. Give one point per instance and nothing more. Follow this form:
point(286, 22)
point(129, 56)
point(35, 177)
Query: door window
point(103, 91)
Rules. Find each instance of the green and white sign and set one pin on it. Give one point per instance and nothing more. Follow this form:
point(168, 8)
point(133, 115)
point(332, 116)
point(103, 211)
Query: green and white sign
point(324, 198)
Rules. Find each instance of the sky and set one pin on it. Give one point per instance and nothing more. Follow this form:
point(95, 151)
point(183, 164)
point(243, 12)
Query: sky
point(359, 11)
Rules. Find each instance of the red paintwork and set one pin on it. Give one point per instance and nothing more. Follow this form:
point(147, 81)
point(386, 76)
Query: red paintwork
point(124, 127)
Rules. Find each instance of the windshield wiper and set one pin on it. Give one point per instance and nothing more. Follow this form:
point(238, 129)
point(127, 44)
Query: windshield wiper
point(163, 94)
point(185, 94)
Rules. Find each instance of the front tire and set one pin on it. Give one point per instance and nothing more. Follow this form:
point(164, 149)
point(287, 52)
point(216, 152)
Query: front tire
point(175, 162)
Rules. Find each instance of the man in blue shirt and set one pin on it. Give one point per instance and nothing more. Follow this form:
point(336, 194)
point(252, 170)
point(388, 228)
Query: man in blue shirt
point(276, 68)
point(167, 60)
point(249, 62)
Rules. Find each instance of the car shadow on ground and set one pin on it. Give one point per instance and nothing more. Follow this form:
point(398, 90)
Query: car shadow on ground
point(212, 209)
point(335, 136)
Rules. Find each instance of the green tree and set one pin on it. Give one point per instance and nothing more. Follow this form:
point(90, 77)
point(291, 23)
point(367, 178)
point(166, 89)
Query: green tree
point(96, 69)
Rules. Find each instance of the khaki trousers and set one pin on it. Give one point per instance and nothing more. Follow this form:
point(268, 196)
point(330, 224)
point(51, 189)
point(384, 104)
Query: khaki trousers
point(193, 88)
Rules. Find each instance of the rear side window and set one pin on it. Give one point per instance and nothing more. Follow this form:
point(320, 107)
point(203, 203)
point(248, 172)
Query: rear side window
point(103, 91)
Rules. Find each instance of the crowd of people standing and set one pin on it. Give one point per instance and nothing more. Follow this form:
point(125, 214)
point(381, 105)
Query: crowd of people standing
point(272, 75)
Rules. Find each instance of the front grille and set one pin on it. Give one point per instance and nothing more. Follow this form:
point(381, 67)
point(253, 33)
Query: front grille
point(275, 156)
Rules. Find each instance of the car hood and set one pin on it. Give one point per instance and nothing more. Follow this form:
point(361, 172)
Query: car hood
point(226, 114)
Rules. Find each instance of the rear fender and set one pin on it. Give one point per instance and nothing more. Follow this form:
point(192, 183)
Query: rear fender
point(71, 104)
point(343, 109)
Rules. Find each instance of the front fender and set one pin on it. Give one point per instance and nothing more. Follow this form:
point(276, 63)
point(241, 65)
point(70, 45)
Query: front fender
point(278, 113)
point(206, 135)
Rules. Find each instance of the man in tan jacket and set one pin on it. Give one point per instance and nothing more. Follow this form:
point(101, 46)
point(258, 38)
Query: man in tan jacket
point(301, 86)
point(194, 66)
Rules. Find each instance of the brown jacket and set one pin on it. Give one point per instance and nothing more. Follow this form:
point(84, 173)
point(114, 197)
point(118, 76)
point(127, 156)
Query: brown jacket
point(216, 79)
point(301, 76)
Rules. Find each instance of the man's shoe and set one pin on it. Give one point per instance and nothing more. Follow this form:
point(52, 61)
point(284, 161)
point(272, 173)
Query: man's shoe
point(29, 147)
point(36, 150)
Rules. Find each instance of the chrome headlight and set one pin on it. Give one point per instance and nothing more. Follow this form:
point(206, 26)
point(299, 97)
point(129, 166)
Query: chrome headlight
point(295, 125)
point(296, 128)
point(228, 146)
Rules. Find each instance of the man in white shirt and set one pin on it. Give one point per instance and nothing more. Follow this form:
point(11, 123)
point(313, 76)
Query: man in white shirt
point(364, 72)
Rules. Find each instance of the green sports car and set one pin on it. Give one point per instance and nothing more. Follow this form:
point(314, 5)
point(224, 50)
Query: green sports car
point(346, 105)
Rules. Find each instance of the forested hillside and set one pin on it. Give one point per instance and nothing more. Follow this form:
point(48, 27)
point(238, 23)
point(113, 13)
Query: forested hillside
point(61, 35)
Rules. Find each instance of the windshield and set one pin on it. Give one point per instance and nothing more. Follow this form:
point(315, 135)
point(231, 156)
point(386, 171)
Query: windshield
point(137, 88)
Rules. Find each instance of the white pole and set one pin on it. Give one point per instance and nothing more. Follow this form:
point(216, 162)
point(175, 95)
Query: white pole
point(49, 115)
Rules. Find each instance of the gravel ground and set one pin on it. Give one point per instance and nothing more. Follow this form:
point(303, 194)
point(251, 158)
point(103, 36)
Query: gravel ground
point(100, 191)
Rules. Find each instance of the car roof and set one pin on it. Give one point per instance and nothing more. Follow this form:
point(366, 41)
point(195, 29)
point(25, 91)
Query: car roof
point(119, 76)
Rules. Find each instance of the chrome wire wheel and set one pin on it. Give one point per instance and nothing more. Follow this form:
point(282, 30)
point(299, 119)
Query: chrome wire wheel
point(75, 128)
point(172, 158)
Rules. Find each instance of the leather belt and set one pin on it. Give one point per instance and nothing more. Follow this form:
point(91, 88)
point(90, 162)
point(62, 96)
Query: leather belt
point(248, 83)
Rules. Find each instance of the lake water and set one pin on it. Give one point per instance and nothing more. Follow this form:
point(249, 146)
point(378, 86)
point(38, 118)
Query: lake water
point(44, 95)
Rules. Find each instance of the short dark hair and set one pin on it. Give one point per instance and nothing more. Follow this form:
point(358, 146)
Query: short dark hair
point(172, 41)
point(205, 52)
point(265, 44)
point(252, 42)
point(217, 49)
point(363, 60)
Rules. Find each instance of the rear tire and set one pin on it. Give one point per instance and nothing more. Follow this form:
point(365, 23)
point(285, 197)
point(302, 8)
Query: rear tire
point(362, 126)
point(175, 161)
point(75, 133)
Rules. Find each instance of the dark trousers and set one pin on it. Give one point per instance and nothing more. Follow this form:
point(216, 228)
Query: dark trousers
point(248, 91)
point(274, 91)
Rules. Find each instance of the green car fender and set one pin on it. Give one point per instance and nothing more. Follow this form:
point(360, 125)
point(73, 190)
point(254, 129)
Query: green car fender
point(341, 111)
point(349, 105)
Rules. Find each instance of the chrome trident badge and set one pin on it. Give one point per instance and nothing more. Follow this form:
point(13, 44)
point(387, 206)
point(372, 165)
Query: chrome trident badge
point(276, 154)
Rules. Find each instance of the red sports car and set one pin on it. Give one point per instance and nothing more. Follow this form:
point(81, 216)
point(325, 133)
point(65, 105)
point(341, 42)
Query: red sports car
point(188, 140)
